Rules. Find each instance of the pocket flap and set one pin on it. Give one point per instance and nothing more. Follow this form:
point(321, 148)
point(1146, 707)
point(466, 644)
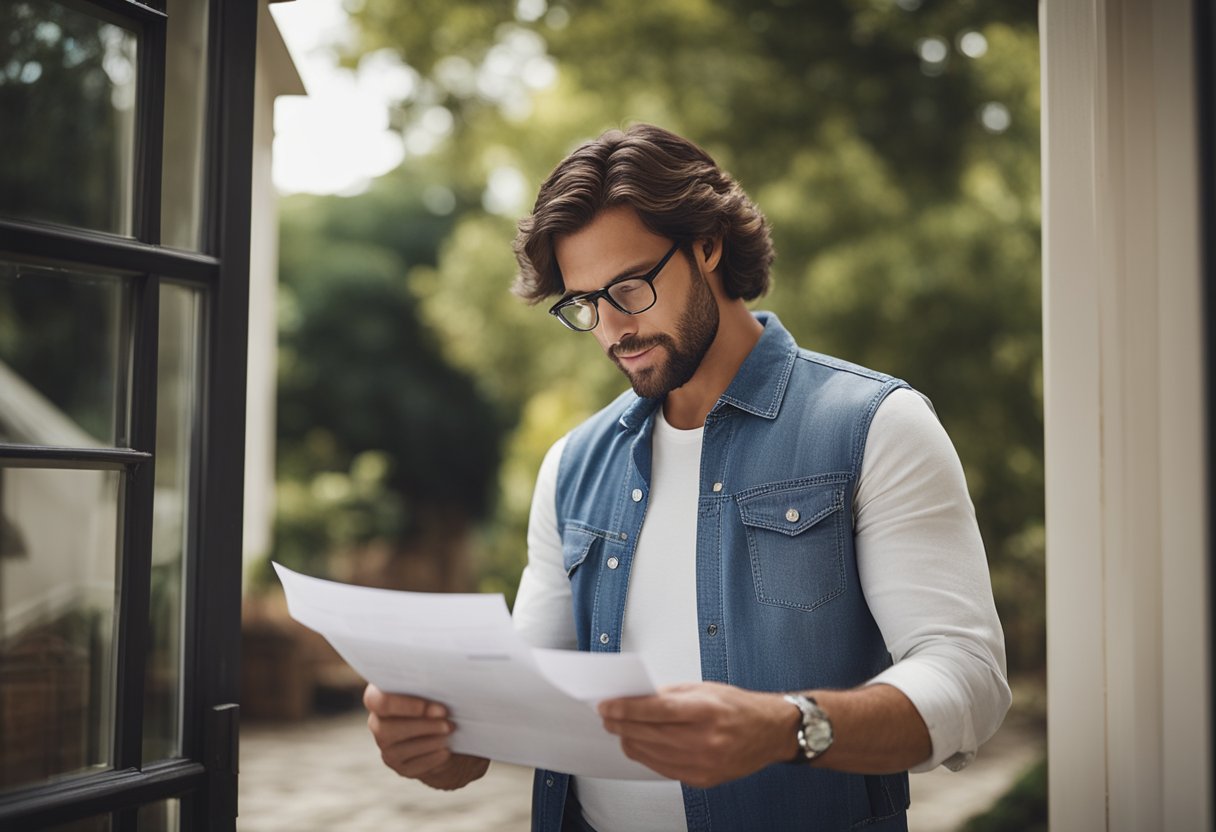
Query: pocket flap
point(576, 543)
point(791, 510)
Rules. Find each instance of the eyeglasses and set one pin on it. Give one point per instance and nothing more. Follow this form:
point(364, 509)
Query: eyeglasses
point(631, 295)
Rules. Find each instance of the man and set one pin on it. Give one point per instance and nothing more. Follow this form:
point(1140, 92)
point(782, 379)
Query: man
point(786, 538)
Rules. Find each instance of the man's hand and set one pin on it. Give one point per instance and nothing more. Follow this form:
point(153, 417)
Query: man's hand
point(413, 737)
point(704, 734)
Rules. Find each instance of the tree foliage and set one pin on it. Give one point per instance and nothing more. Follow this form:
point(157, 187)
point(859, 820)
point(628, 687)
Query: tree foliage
point(67, 95)
point(893, 145)
point(378, 435)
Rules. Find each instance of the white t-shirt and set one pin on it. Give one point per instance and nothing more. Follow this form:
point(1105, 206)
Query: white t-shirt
point(922, 568)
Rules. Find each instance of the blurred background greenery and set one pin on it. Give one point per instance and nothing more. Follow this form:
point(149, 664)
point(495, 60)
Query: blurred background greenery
point(893, 145)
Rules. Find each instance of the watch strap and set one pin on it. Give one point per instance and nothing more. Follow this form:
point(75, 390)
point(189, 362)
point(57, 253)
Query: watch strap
point(814, 729)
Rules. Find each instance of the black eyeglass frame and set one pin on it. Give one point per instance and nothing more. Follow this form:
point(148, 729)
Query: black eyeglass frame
point(605, 293)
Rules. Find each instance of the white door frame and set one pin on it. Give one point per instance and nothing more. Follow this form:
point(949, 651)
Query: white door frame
point(1129, 696)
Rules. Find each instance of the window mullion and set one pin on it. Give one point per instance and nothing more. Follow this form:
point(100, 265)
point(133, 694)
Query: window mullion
point(73, 800)
point(42, 243)
point(135, 563)
point(150, 131)
point(81, 459)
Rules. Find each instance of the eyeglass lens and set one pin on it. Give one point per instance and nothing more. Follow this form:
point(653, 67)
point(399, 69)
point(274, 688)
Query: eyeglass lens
point(631, 296)
point(581, 315)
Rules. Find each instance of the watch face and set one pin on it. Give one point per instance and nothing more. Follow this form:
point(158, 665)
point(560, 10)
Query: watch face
point(819, 735)
point(815, 733)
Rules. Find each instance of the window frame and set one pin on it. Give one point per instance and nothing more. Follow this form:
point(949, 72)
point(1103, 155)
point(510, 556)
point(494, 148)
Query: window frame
point(204, 776)
point(1205, 82)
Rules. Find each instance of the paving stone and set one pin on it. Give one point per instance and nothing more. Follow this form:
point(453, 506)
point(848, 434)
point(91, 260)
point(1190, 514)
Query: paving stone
point(324, 774)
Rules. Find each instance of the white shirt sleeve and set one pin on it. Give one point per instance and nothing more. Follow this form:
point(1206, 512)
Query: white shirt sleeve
point(922, 568)
point(544, 606)
point(925, 576)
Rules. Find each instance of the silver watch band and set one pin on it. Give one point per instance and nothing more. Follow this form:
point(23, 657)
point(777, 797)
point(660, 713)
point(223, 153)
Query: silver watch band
point(815, 734)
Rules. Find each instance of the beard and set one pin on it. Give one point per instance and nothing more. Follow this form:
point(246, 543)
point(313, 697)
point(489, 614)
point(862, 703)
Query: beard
point(696, 330)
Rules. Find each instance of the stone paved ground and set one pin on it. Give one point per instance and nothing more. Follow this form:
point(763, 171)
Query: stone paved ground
point(942, 799)
point(325, 775)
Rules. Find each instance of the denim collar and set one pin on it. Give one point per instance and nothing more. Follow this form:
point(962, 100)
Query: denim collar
point(757, 388)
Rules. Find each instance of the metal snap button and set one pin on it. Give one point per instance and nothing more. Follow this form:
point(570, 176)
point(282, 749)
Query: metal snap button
point(603, 638)
point(712, 629)
point(792, 515)
point(717, 487)
point(624, 535)
point(637, 495)
point(613, 563)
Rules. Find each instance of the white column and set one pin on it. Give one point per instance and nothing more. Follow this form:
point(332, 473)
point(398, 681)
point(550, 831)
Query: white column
point(1186, 773)
point(1128, 651)
point(263, 329)
point(276, 75)
point(1076, 736)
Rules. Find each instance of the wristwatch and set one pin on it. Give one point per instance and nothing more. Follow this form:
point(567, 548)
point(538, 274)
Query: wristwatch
point(815, 733)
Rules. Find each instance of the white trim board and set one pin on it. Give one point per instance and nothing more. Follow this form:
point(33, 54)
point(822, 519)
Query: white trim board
point(1128, 647)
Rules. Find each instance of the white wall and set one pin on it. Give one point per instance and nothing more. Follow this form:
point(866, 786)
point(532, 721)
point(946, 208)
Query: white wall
point(275, 76)
point(1128, 651)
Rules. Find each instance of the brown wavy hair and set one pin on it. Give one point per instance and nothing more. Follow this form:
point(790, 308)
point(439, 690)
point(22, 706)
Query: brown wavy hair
point(678, 191)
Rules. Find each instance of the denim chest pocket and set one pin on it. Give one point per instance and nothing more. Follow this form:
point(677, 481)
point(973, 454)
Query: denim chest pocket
point(577, 542)
point(795, 539)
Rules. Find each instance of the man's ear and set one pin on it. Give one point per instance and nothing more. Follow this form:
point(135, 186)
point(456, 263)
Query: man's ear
point(711, 252)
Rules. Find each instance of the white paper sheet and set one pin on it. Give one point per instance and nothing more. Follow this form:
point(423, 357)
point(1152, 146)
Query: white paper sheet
point(509, 701)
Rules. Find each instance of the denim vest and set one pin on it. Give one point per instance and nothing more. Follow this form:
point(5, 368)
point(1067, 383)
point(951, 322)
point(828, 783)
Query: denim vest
point(779, 604)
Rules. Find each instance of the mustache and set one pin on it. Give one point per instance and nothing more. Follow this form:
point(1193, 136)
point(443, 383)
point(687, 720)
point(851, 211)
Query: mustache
point(634, 344)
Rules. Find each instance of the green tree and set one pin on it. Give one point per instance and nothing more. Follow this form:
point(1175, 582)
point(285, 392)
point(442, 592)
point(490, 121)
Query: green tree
point(66, 105)
point(380, 438)
point(893, 146)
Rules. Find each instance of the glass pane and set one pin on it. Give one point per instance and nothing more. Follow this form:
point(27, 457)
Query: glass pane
point(100, 823)
point(185, 99)
point(67, 92)
point(63, 357)
point(164, 816)
point(177, 385)
point(58, 548)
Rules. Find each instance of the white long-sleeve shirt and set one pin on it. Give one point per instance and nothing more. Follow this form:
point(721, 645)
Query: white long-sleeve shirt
point(922, 569)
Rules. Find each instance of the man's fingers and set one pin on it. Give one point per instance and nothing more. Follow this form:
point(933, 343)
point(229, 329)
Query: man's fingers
point(393, 730)
point(675, 764)
point(654, 753)
point(676, 746)
point(670, 764)
point(659, 733)
point(660, 708)
point(412, 734)
point(400, 705)
point(426, 764)
point(415, 757)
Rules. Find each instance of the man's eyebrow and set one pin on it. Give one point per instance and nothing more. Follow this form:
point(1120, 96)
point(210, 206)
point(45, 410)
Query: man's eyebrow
point(632, 271)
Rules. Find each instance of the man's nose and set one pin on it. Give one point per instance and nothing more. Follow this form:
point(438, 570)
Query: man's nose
point(615, 324)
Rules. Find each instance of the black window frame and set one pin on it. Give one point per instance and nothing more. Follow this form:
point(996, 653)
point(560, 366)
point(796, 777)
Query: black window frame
point(1205, 85)
point(204, 776)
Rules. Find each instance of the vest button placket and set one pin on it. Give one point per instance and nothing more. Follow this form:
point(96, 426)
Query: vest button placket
point(759, 441)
